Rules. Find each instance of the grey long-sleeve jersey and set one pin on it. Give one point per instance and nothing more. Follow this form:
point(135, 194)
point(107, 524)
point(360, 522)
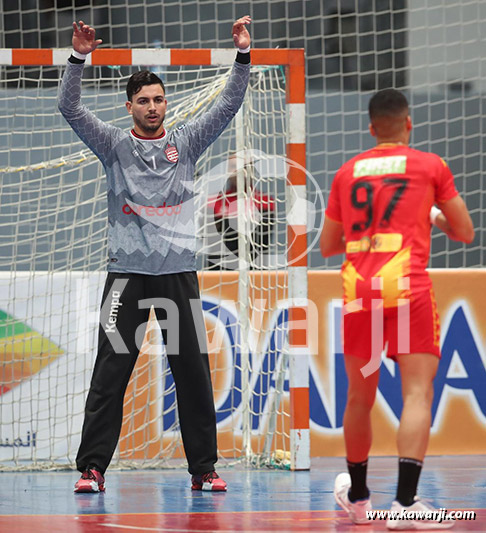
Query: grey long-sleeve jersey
point(150, 185)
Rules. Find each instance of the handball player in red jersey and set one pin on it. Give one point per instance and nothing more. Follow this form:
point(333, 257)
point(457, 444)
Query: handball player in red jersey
point(380, 211)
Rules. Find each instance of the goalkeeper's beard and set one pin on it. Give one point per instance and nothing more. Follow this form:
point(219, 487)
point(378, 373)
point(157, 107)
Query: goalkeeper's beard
point(146, 126)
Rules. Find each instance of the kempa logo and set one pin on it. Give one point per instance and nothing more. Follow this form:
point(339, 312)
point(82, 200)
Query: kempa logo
point(115, 303)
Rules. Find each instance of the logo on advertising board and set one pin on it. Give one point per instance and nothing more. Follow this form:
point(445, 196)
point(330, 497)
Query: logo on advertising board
point(23, 352)
point(461, 369)
point(459, 393)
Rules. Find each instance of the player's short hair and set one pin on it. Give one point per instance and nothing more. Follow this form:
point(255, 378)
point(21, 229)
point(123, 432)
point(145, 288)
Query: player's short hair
point(141, 78)
point(387, 103)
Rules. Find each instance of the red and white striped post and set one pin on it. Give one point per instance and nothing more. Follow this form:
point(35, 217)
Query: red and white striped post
point(297, 259)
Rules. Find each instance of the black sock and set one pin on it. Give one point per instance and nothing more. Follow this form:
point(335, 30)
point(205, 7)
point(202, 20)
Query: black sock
point(408, 477)
point(358, 490)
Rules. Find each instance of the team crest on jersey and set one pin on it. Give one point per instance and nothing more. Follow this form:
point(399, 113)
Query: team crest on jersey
point(172, 154)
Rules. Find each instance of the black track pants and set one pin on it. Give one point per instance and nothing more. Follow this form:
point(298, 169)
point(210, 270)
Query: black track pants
point(117, 354)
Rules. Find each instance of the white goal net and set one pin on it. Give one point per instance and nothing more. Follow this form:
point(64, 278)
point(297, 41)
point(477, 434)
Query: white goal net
point(53, 210)
point(53, 224)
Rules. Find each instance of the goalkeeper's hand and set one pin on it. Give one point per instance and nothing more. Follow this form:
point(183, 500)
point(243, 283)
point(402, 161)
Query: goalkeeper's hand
point(84, 41)
point(241, 37)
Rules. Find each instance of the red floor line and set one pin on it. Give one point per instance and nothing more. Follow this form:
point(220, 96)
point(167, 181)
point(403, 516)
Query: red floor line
point(248, 521)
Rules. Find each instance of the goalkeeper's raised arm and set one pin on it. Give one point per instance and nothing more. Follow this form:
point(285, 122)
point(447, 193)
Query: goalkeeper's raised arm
point(204, 130)
point(96, 134)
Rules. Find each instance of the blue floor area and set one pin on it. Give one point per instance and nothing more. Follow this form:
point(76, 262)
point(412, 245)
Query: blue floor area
point(451, 482)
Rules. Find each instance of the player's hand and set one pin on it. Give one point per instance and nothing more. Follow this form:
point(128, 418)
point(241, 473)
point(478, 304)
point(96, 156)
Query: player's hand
point(84, 40)
point(241, 37)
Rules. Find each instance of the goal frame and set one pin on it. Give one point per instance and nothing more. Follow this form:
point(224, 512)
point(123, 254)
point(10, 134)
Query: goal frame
point(293, 62)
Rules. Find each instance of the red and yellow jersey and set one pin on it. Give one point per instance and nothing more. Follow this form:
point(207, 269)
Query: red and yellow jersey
point(383, 199)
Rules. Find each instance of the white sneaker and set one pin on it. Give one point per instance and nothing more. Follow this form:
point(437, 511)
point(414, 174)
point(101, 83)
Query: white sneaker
point(356, 510)
point(430, 518)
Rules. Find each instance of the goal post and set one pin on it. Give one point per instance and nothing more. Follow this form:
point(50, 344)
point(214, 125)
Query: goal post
point(59, 257)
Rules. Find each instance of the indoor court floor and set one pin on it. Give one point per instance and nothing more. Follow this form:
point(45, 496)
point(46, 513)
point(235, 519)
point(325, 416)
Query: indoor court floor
point(257, 500)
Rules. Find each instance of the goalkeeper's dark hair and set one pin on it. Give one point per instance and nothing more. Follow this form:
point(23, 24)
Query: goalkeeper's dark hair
point(388, 103)
point(141, 78)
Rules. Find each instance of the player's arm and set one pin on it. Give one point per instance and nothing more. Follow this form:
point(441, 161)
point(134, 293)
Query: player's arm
point(93, 132)
point(332, 238)
point(454, 220)
point(206, 129)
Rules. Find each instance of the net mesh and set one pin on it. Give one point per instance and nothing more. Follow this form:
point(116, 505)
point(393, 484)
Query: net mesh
point(53, 257)
point(431, 49)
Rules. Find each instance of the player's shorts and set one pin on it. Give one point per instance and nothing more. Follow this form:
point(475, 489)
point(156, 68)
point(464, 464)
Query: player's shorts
point(413, 328)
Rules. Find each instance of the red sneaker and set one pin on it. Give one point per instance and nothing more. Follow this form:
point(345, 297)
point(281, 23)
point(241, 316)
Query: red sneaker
point(208, 481)
point(91, 481)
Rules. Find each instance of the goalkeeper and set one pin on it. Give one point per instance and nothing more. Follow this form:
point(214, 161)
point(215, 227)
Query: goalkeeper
point(151, 255)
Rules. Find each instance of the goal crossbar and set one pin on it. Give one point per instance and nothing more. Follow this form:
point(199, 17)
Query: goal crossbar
point(293, 63)
point(152, 56)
